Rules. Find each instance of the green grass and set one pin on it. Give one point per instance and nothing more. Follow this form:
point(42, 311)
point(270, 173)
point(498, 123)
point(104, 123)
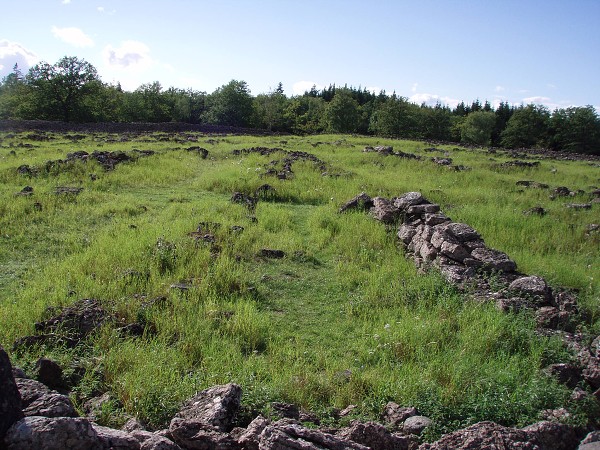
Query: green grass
point(343, 319)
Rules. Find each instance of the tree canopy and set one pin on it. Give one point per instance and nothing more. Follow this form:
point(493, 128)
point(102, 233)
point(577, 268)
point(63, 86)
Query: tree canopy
point(71, 90)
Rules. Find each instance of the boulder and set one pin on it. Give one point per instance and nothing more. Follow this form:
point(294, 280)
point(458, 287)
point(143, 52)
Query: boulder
point(553, 435)
point(10, 398)
point(416, 424)
point(406, 233)
point(39, 400)
point(409, 199)
point(494, 259)
point(376, 436)
point(461, 232)
point(457, 252)
point(285, 434)
point(216, 406)
point(53, 433)
point(78, 320)
point(116, 439)
point(196, 434)
point(249, 439)
point(395, 415)
point(49, 373)
point(483, 435)
point(532, 286)
point(384, 210)
point(361, 202)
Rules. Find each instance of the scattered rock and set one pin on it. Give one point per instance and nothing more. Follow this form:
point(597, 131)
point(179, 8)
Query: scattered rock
point(535, 211)
point(49, 373)
point(26, 191)
point(270, 253)
point(285, 410)
point(78, 320)
point(553, 435)
point(579, 205)
point(384, 210)
point(68, 190)
point(110, 438)
point(395, 415)
point(199, 150)
point(376, 436)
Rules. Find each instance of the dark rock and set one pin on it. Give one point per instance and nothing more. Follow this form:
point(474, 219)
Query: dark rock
point(361, 202)
point(50, 339)
point(460, 231)
point(10, 398)
point(201, 151)
point(49, 373)
point(535, 211)
point(243, 199)
point(376, 436)
point(57, 433)
point(265, 191)
point(406, 233)
point(442, 161)
point(196, 434)
point(271, 253)
point(285, 410)
point(484, 435)
point(216, 406)
point(417, 210)
point(416, 424)
point(456, 252)
point(249, 439)
point(40, 400)
point(591, 373)
point(395, 415)
point(562, 191)
point(78, 320)
point(384, 149)
point(435, 219)
point(552, 317)
point(26, 191)
point(553, 435)
point(384, 210)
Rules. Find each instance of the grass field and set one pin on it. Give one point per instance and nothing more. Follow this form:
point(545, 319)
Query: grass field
point(344, 318)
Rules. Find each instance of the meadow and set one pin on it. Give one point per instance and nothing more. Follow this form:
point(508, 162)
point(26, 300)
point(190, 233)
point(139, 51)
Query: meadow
point(344, 318)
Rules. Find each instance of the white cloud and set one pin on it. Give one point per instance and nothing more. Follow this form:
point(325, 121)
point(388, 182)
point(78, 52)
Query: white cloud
point(499, 88)
point(301, 87)
point(66, 2)
point(537, 100)
point(131, 54)
point(432, 100)
point(73, 36)
point(14, 49)
point(100, 9)
point(414, 87)
point(1, 67)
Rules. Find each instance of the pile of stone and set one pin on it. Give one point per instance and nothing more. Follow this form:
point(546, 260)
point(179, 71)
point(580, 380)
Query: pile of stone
point(459, 252)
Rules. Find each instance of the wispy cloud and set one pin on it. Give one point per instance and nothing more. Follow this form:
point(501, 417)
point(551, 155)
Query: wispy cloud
point(537, 100)
point(12, 53)
point(300, 87)
point(414, 87)
point(499, 88)
point(433, 99)
point(73, 36)
point(130, 54)
point(66, 2)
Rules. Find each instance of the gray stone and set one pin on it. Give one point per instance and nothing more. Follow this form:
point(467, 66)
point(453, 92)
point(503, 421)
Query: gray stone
point(216, 406)
point(116, 439)
point(195, 434)
point(484, 435)
point(287, 435)
point(416, 424)
point(552, 435)
point(406, 233)
point(361, 202)
point(376, 436)
point(454, 251)
point(40, 400)
point(461, 231)
point(53, 433)
point(409, 199)
point(532, 286)
point(249, 439)
point(435, 219)
point(395, 415)
point(494, 259)
point(423, 209)
point(384, 211)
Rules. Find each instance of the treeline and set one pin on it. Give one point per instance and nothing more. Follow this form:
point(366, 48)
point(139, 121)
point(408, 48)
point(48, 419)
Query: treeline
point(72, 91)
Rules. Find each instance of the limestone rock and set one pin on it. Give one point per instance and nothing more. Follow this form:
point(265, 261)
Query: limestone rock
point(384, 210)
point(395, 415)
point(553, 435)
point(249, 439)
point(116, 439)
point(197, 434)
point(484, 435)
point(53, 433)
point(361, 202)
point(216, 406)
point(494, 259)
point(416, 424)
point(40, 400)
point(375, 436)
point(532, 286)
point(409, 199)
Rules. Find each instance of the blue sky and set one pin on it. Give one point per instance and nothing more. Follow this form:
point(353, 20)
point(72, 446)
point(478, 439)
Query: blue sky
point(544, 52)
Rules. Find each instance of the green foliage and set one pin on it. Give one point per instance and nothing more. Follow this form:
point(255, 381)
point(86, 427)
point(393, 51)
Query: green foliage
point(231, 104)
point(527, 127)
point(395, 117)
point(576, 129)
point(477, 128)
point(342, 113)
point(344, 318)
